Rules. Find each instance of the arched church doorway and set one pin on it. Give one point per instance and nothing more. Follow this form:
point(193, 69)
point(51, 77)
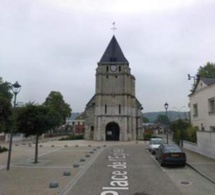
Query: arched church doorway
point(112, 132)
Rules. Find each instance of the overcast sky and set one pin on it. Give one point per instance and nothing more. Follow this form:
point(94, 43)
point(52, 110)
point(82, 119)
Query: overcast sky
point(54, 45)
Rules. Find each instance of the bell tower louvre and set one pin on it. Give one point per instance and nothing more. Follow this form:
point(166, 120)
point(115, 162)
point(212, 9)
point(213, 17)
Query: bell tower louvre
point(113, 113)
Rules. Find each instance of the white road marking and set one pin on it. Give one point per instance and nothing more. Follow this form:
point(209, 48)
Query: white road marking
point(68, 188)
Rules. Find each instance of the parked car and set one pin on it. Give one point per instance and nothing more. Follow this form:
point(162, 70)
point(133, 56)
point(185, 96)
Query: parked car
point(154, 143)
point(170, 154)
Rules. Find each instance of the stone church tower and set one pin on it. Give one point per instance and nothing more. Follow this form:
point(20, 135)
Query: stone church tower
point(113, 113)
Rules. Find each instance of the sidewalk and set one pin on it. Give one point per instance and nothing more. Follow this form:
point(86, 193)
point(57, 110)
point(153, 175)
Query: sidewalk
point(202, 164)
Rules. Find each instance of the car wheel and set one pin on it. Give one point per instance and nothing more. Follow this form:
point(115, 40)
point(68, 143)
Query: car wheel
point(161, 162)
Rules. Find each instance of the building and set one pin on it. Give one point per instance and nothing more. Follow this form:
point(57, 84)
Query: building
point(113, 113)
point(202, 104)
point(79, 124)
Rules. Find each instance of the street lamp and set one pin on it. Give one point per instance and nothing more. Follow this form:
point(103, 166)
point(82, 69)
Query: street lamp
point(167, 131)
point(16, 87)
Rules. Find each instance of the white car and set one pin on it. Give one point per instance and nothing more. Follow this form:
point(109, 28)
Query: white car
point(154, 143)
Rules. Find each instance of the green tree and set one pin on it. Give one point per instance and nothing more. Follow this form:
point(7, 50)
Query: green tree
point(145, 120)
point(207, 71)
point(162, 119)
point(5, 105)
point(56, 102)
point(34, 120)
point(191, 134)
point(179, 129)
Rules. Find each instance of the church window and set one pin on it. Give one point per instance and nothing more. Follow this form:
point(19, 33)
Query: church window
point(119, 68)
point(119, 109)
point(107, 76)
point(116, 76)
point(107, 68)
point(105, 109)
point(92, 128)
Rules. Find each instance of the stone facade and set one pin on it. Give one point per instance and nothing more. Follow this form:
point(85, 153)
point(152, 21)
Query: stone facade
point(113, 113)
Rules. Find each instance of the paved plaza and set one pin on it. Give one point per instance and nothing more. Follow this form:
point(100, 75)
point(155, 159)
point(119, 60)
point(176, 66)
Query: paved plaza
point(55, 159)
point(63, 163)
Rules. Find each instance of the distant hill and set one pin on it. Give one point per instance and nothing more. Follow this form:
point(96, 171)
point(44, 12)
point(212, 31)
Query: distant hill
point(173, 115)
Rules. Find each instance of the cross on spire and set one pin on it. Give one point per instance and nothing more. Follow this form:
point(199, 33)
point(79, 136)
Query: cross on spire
point(113, 28)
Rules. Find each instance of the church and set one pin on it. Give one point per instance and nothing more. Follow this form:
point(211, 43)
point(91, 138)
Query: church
point(113, 113)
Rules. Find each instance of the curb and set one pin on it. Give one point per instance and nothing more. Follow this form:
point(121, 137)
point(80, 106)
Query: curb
point(199, 172)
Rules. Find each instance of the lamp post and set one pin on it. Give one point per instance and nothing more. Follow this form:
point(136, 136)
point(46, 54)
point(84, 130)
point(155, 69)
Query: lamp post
point(167, 131)
point(16, 87)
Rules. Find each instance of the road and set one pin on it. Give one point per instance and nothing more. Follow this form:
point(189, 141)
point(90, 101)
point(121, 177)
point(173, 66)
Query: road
point(120, 168)
point(132, 170)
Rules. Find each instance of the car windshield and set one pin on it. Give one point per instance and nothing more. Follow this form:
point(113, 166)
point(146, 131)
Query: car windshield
point(157, 141)
point(172, 149)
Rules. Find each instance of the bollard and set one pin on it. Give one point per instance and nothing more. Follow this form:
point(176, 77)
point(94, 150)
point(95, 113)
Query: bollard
point(53, 184)
point(66, 173)
point(75, 165)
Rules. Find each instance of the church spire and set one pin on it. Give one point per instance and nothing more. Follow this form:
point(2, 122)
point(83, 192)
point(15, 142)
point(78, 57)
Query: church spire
point(113, 53)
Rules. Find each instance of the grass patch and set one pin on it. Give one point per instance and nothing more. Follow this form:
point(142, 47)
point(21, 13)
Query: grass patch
point(3, 149)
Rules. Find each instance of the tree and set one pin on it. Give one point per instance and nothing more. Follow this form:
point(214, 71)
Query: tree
point(179, 129)
point(207, 71)
point(5, 89)
point(35, 120)
point(56, 102)
point(5, 113)
point(191, 134)
point(5, 105)
point(162, 119)
point(145, 120)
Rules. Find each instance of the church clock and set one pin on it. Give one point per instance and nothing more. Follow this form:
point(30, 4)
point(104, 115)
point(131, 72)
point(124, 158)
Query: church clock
point(113, 68)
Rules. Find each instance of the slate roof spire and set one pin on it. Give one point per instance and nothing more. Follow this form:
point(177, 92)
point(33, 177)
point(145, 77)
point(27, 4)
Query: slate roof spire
point(113, 53)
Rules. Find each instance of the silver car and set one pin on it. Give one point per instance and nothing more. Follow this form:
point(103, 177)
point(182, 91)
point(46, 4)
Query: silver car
point(154, 143)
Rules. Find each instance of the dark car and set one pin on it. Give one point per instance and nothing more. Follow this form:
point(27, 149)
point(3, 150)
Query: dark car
point(170, 154)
